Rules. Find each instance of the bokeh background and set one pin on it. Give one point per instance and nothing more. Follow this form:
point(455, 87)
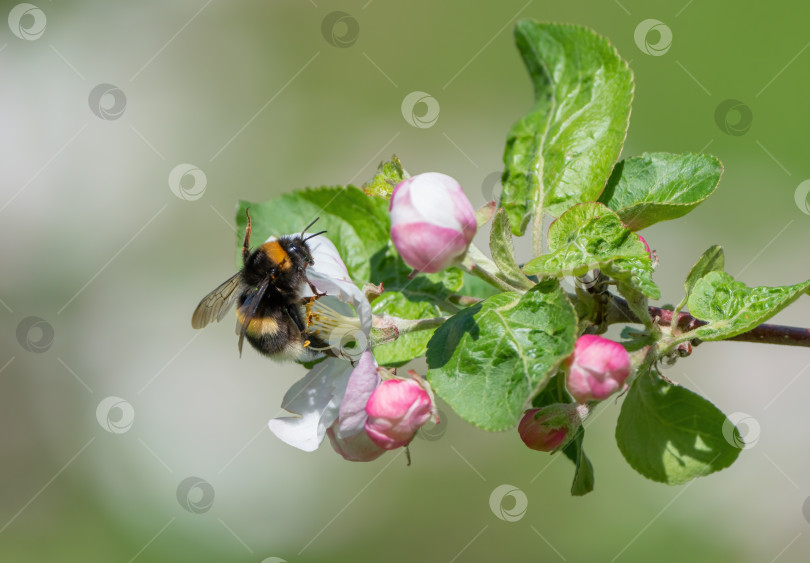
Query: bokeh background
point(125, 435)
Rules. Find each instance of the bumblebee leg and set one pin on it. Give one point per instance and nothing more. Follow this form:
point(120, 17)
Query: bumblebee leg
point(246, 243)
point(295, 315)
point(315, 291)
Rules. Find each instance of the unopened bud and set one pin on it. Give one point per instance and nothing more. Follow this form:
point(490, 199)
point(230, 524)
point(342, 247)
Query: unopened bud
point(597, 368)
point(396, 410)
point(548, 428)
point(432, 221)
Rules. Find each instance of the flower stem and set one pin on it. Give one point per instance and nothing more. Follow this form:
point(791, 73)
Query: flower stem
point(388, 329)
point(477, 264)
point(413, 325)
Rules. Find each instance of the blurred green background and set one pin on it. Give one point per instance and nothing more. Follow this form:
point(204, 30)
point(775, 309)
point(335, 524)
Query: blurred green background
point(263, 98)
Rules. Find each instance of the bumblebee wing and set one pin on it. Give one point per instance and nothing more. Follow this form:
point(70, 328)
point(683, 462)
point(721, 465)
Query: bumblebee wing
point(217, 303)
point(251, 305)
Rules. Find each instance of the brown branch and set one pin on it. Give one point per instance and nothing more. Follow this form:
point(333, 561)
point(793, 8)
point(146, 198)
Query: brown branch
point(619, 311)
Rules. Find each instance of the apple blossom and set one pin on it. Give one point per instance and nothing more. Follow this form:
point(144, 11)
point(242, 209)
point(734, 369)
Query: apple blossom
point(316, 399)
point(397, 409)
point(597, 368)
point(432, 221)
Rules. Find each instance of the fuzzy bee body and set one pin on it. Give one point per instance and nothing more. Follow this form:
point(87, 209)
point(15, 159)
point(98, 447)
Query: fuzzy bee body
point(271, 307)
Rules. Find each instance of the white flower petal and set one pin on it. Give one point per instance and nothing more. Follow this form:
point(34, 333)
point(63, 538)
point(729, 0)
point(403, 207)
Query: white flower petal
point(327, 259)
point(315, 399)
point(433, 204)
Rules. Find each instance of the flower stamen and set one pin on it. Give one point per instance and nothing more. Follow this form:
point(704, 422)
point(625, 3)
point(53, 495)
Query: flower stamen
point(344, 334)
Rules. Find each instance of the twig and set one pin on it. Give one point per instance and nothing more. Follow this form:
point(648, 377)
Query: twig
point(619, 311)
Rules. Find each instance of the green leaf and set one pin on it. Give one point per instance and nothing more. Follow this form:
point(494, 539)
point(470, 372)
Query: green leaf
point(731, 308)
point(561, 153)
point(672, 435)
point(655, 187)
point(590, 236)
point(503, 252)
point(410, 345)
point(488, 361)
point(393, 273)
point(583, 469)
point(713, 260)
point(389, 174)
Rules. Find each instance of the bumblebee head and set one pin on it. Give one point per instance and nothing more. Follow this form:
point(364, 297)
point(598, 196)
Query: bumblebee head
point(283, 260)
point(298, 245)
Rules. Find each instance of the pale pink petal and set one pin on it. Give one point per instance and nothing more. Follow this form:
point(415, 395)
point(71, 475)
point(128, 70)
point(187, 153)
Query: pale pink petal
point(355, 448)
point(362, 382)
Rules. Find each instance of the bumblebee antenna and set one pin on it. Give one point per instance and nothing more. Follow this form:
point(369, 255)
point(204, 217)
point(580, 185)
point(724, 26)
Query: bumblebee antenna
point(315, 235)
point(308, 226)
point(246, 243)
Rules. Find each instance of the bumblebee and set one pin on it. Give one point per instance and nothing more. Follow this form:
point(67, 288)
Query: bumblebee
point(271, 311)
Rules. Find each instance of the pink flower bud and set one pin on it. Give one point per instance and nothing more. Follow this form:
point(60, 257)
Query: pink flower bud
point(546, 429)
point(396, 410)
point(432, 221)
point(597, 368)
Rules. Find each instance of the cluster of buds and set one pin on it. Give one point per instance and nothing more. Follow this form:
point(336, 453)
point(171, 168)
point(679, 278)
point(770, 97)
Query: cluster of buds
point(365, 410)
point(596, 369)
